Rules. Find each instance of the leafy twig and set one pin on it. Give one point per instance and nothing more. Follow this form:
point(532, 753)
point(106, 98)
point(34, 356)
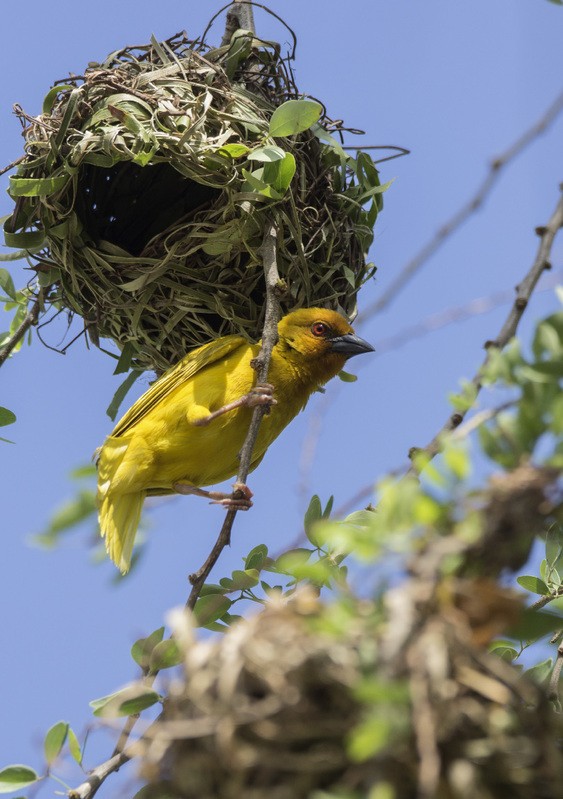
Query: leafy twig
point(29, 320)
point(523, 293)
point(461, 216)
point(261, 365)
point(89, 787)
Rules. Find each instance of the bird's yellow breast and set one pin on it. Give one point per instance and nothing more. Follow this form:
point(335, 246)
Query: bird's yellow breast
point(165, 446)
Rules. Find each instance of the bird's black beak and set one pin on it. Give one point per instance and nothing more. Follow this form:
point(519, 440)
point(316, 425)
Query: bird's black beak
point(349, 345)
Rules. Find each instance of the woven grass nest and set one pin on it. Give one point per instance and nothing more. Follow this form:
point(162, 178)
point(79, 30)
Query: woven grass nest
point(269, 710)
point(148, 182)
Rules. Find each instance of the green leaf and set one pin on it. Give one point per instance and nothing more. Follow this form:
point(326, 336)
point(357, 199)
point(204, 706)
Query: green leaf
point(54, 741)
point(241, 580)
point(369, 738)
point(121, 393)
point(540, 672)
point(6, 417)
point(313, 514)
point(80, 472)
point(507, 653)
point(73, 512)
point(12, 778)
point(534, 624)
point(540, 372)
point(256, 557)
point(346, 377)
point(129, 701)
point(553, 545)
point(7, 284)
point(533, 584)
point(37, 187)
point(269, 153)
point(52, 95)
point(165, 655)
point(210, 608)
point(74, 746)
point(26, 240)
point(142, 648)
point(211, 588)
point(294, 116)
point(234, 150)
point(255, 181)
point(124, 362)
point(279, 174)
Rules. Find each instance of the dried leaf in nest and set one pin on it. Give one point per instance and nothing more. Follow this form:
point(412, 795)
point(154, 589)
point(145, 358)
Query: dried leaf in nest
point(272, 710)
point(148, 182)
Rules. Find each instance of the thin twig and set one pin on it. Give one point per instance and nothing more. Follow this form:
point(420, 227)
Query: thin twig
point(89, 787)
point(30, 319)
point(553, 689)
point(13, 164)
point(545, 600)
point(261, 365)
point(461, 216)
point(523, 293)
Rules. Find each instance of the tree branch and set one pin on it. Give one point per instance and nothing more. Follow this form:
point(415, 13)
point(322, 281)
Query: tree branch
point(523, 293)
point(261, 365)
point(466, 210)
point(89, 787)
point(30, 319)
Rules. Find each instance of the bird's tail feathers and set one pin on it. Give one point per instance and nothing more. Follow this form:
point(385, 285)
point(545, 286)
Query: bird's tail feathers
point(119, 519)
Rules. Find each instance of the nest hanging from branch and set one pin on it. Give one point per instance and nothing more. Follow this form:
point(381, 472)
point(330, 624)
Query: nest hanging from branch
point(270, 709)
point(147, 184)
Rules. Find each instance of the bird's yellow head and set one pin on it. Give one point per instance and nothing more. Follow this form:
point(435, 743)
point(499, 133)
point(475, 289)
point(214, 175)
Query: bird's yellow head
point(320, 338)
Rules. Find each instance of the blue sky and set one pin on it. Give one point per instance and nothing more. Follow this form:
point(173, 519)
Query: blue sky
point(455, 83)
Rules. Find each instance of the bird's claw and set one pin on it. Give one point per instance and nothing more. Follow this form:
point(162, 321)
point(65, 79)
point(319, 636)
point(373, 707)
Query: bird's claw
point(261, 395)
point(240, 499)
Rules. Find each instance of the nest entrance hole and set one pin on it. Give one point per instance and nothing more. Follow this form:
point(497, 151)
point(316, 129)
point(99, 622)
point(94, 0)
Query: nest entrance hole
point(127, 204)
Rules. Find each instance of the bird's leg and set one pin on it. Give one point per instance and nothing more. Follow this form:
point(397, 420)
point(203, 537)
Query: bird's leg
point(240, 499)
point(261, 394)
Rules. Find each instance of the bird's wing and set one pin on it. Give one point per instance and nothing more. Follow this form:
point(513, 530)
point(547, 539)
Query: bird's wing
point(176, 376)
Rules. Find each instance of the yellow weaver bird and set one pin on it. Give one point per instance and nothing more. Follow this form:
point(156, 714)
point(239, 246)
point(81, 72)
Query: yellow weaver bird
point(186, 431)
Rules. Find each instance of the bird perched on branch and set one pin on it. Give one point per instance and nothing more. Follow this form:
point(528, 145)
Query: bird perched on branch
point(187, 430)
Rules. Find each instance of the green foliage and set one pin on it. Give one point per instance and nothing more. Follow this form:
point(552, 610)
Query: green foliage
point(6, 417)
point(55, 740)
point(15, 301)
point(73, 512)
point(294, 116)
point(128, 701)
point(538, 408)
point(14, 778)
point(410, 515)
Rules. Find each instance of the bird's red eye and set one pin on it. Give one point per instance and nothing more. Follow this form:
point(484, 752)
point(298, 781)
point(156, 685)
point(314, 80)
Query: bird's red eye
point(319, 329)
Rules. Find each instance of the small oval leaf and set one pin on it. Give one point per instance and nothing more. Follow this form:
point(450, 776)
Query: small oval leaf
point(12, 778)
point(294, 116)
point(533, 584)
point(74, 746)
point(127, 702)
point(165, 655)
point(54, 741)
point(6, 417)
point(210, 608)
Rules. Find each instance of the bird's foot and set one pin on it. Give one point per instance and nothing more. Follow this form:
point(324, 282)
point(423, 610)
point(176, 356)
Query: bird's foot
point(261, 394)
point(240, 499)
